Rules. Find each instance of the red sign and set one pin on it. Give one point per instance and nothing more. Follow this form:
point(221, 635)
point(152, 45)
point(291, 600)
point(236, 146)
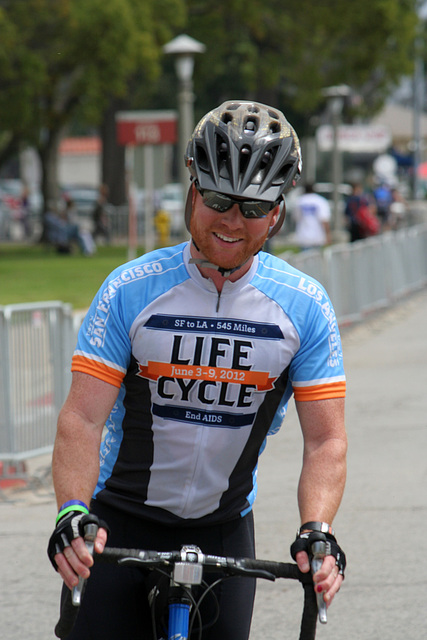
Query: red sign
point(146, 127)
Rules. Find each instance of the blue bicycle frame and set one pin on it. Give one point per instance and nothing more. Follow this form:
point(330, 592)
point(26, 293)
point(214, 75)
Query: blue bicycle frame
point(185, 575)
point(179, 617)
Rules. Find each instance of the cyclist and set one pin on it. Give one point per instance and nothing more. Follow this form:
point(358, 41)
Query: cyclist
point(188, 356)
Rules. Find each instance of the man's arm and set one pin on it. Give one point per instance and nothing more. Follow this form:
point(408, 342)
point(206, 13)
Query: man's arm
point(323, 476)
point(75, 462)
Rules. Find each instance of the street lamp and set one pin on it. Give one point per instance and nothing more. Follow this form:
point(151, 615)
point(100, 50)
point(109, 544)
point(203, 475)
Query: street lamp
point(184, 49)
point(336, 96)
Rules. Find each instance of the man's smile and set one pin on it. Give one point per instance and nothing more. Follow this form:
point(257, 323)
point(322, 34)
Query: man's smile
point(226, 238)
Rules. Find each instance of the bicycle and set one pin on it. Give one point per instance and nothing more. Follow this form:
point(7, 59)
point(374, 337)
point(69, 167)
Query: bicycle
point(184, 570)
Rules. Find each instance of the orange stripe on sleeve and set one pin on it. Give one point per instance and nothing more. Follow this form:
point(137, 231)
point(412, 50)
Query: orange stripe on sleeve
point(97, 370)
point(320, 392)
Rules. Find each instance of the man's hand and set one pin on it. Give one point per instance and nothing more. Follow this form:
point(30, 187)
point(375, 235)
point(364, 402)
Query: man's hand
point(327, 580)
point(67, 550)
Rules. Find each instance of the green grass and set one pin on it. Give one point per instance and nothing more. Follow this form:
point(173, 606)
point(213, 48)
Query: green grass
point(35, 273)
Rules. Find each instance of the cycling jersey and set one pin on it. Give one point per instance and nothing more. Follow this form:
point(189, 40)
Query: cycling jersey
point(203, 377)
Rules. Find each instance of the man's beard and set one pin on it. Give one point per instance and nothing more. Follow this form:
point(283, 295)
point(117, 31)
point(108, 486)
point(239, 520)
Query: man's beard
point(203, 242)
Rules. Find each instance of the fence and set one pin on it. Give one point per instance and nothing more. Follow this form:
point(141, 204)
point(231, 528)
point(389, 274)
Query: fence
point(37, 340)
point(370, 274)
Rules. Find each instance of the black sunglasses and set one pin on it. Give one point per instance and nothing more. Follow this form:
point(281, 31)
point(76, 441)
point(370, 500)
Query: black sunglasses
point(222, 203)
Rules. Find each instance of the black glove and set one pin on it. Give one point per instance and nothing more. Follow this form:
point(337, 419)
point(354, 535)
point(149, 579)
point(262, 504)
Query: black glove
point(304, 541)
point(71, 526)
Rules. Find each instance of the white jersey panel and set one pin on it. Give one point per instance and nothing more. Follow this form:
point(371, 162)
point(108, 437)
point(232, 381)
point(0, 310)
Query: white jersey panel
point(208, 376)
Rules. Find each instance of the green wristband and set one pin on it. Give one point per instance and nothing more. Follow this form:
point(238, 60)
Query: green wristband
point(74, 507)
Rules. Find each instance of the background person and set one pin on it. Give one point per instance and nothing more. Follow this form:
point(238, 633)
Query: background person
point(312, 215)
point(189, 356)
point(63, 230)
point(25, 211)
point(101, 223)
point(383, 199)
point(398, 209)
point(360, 212)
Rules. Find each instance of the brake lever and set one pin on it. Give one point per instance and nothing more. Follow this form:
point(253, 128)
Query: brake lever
point(318, 552)
point(91, 530)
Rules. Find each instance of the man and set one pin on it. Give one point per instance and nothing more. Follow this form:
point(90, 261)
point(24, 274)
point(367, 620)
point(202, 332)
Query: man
point(312, 216)
point(189, 356)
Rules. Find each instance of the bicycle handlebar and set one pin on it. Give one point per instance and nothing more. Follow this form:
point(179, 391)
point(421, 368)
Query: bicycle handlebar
point(149, 560)
point(267, 569)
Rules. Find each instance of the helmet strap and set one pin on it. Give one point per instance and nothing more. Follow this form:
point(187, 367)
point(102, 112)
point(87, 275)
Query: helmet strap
point(205, 264)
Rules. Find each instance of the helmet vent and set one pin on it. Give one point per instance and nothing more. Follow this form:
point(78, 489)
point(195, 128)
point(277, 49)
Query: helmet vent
point(274, 127)
point(273, 114)
point(268, 157)
point(283, 174)
point(226, 118)
point(202, 158)
point(251, 126)
point(222, 159)
point(245, 155)
point(221, 147)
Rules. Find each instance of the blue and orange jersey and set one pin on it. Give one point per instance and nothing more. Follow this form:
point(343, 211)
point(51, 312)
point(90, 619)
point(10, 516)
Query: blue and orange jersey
point(202, 378)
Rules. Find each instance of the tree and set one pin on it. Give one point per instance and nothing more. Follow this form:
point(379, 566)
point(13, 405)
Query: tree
point(65, 59)
point(286, 52)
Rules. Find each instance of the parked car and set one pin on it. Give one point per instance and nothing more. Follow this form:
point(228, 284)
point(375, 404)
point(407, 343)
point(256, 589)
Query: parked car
point(83, 196)
point(11, 190)
point(4, 221)
point(18, 221)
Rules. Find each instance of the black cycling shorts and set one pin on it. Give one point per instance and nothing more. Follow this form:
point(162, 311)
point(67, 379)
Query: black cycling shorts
point(115, 603)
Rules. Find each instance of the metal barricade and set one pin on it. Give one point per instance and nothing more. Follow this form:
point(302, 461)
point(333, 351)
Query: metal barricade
point(310, 262)
point(372, 274)
point(343, 282)
point(36, 342)
point(369, 274)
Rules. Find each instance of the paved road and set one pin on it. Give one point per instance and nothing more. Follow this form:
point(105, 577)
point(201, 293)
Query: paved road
point(381, 522)
point(384, 512)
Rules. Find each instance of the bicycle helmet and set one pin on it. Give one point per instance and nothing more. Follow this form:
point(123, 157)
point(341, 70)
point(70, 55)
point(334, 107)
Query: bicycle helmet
point(247, 150)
